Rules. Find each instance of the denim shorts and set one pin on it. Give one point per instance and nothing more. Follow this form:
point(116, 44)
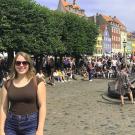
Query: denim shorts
point(21, 124)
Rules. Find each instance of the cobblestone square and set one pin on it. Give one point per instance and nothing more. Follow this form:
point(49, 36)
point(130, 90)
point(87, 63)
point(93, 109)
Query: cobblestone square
point(77, 108)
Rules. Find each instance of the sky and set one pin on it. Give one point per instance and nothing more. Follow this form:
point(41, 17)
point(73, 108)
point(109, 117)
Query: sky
point(124, 10)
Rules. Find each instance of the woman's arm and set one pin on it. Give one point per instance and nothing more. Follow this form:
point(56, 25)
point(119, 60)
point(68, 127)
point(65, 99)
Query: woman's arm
point(3, 109)
point(42, 107)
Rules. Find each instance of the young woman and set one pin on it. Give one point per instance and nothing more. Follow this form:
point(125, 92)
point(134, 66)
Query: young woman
point(25, 115)
point(123, 84)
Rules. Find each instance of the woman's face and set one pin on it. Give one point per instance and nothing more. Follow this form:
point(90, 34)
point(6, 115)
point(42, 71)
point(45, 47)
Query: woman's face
point(21, 65)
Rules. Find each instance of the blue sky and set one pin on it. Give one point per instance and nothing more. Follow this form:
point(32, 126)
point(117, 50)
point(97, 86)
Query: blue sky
point(122, 9)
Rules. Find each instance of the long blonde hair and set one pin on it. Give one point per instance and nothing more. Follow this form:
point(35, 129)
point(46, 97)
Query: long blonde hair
point(31, 71)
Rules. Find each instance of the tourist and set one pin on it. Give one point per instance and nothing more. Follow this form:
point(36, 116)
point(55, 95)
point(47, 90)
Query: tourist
point(90, 70)
point(27, 98)
point(50, 67)
point(41, 75)
point(123, 84)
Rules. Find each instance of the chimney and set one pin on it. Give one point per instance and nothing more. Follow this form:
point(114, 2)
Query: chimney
point(95, 19)
point(74, 2)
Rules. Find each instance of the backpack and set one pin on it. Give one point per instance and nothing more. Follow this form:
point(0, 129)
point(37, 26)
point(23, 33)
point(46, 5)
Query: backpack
point(8, 83)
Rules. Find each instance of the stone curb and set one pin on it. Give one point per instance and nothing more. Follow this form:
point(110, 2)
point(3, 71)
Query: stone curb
point(107, 98)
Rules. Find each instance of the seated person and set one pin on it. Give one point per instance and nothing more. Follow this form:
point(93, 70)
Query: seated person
point(69, 74)
point(41, 75)
point(61, 75)
point(85, 74)
point(110, 73)
point(56, 75)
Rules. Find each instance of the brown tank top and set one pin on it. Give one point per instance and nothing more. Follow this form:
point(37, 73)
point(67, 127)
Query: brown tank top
point(23, 100)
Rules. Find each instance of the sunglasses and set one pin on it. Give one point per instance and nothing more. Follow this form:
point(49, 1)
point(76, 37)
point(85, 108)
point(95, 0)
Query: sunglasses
point(24, 63)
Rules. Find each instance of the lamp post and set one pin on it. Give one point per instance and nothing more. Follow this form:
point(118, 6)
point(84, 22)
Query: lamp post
point(124, 45)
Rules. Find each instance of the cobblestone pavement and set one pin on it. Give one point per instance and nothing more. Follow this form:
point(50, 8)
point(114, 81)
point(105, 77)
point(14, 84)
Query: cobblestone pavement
point(77, 108)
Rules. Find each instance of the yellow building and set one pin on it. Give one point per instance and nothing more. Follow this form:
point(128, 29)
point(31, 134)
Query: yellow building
point(133, 46)
point(98, 48)
point(130, 43)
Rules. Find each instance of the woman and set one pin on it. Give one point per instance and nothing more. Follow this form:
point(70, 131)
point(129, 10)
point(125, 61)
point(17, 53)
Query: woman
point(123, 84)
point(27, 110)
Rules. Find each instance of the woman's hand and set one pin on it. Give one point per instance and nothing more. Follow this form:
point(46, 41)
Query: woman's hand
point(39, 132)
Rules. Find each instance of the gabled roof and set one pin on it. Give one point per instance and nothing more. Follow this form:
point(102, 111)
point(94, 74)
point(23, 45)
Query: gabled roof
point(64, 4)
point(76, 6)
point(113, 19)
point(116, 20)
point(107, 18)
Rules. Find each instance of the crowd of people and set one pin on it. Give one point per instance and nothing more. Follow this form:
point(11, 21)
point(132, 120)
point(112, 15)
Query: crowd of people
point(89, 68)
point(26, 88)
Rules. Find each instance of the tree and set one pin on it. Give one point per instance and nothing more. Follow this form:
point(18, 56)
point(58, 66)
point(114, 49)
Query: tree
point(79, 35)
point(27, 26)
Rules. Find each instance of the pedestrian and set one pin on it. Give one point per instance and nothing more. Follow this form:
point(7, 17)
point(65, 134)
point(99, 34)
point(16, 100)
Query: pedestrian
point(90, 70)
point(123, 84)
point(25, 115)
point(50, 69)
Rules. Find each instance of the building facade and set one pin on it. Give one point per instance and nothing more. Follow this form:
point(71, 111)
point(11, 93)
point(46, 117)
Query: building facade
point(114, 27)
point(66, 6)
point(98, 48)
point(130, 43)
point(106, 42)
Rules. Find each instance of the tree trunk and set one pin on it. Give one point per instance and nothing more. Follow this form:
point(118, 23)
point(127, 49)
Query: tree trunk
point(10, 58)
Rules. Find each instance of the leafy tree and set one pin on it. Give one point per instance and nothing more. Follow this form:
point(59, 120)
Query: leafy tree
point(21, 25)
point(79, 35)
point(27, 26)
point(55, 31)
point(91, 31)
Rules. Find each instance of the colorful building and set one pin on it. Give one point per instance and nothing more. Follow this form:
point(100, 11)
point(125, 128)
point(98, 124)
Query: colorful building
point(65, 6)
point(98, 48)
point(112, 31)
point(115, 35)
point(129, 47)
point(114, 27)
point(131, 42)
point(123, 36)
point(106, 42)
point(133, 45)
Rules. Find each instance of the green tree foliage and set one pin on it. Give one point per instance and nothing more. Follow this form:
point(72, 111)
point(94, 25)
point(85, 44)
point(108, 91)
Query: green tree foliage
point(27, 26)
point(91, 31)
point(55, 31)
point(79, 35)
